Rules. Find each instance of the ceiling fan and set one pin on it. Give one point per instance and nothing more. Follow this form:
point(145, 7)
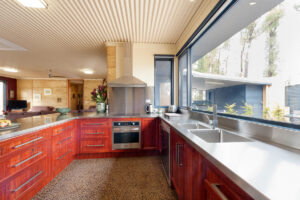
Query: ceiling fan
point(50, 75)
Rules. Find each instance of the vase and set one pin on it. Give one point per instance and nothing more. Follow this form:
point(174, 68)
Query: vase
point(100, 107)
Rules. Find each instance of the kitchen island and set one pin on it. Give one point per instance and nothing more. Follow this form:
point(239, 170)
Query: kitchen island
point(249, 170)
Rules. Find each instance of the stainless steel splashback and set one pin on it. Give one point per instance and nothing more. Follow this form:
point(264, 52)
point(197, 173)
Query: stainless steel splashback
point(263, 132)
point(127, 100)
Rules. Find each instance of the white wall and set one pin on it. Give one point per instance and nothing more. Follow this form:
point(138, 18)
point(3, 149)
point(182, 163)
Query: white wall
point(143, 61)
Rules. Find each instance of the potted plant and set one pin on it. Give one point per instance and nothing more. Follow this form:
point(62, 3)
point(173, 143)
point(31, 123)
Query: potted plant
point(99, 95)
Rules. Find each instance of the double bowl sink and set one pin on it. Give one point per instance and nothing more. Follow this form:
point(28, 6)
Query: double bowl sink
point(213, 135)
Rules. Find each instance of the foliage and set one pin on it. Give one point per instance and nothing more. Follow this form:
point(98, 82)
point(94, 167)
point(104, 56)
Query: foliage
point(210, 108)
point(247, 36)
point(230, 109)
point(270, 26)
point(211, 62)
point(278, 113)
point(248, 110)
point(99, 94)
point(266, 113)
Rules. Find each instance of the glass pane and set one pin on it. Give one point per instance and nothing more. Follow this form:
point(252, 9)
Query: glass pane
point(183, 75)
point(256, 72)
point(163, 70)
point(130, 137)
point(2, 95)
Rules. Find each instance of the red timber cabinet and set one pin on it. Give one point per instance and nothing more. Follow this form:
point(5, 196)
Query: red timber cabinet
point(25, 165)
point(150, 134)
point(217, 186)
point(95, 136)
point(63, 146)
point(194, 177)
point(186, 169)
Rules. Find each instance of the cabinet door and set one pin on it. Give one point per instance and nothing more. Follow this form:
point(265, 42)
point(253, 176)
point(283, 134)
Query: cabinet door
point(149, 134)
point(193, 174)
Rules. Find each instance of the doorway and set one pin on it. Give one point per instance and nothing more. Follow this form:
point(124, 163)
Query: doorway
point(76, 94)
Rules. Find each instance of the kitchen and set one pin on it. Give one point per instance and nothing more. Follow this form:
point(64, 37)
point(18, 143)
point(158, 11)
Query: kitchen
point(168, 107)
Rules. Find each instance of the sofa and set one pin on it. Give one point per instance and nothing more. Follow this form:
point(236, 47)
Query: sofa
point(34, 111)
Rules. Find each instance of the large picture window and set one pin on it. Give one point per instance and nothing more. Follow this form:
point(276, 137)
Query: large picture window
point(256, 71)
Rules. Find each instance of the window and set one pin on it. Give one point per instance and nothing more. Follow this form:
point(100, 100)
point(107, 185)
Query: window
point(163, 81)
point(2, 97)
point(252, 69)
point(183, 80)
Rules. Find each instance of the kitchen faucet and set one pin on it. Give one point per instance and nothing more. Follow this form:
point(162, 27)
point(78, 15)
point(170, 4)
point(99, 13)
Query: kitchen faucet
point(215, 117)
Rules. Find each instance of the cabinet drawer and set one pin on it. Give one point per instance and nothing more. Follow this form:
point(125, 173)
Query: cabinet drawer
point(26, 180)
point(95, 146)
point(23, 142)
point(94, 123)
point(95, 132)
point(22, 159)
point(62, 157)
point(218, 185)
point(61, 139)
point(62, 128)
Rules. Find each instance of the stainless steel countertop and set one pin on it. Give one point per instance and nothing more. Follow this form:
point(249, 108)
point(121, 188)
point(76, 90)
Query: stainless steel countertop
point(262, 170)
point(36, 123)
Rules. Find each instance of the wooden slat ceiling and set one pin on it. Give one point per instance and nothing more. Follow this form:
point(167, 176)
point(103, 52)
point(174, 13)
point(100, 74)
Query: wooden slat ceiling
point(82, 26)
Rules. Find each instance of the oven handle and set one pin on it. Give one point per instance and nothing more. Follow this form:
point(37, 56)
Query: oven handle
point(126, 130)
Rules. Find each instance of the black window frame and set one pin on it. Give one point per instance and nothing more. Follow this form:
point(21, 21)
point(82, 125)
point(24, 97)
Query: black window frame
point(159, 57)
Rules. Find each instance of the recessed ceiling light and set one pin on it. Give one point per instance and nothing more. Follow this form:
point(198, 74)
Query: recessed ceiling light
point(192, 0)
point(33, 3)
point(8, 69)
point(252, 3)
point(87, 71)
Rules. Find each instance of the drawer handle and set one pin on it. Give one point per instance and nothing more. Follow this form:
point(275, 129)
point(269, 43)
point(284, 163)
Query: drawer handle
point(28, 181)
point(31, 157)
point(34, 140)
point(62, 156)
point(63, 129)
point(95, 145)
point(94, 124)
point(97, 133)
point(214, 187)
point(177, 154)
point(62, 141)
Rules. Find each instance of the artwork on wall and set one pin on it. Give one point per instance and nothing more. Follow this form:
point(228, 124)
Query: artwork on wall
point(47, 91)
point(37, 97)
point(11, 94)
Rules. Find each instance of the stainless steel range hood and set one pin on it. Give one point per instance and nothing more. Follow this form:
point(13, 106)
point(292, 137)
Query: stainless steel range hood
point(127, 79)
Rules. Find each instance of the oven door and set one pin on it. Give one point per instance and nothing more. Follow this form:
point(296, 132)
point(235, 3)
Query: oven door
point(126, 138)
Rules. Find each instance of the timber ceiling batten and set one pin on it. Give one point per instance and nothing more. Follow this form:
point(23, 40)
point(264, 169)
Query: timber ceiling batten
point(68, 27)
point(91, 22)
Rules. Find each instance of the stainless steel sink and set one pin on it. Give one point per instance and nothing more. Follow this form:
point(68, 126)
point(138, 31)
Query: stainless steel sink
point(218, 136)
point(193, 126)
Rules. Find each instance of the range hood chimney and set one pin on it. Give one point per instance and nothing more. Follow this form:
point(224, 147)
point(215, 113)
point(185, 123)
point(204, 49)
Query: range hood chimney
point(127, 79)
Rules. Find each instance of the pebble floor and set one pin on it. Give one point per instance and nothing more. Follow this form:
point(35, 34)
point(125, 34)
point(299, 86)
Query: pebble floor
point(109, 179)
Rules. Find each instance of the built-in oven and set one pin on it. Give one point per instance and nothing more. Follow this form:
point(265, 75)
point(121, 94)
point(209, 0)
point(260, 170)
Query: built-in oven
point(126, 135)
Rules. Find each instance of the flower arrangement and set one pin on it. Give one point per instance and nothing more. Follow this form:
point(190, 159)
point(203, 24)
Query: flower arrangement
point(99, 94)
